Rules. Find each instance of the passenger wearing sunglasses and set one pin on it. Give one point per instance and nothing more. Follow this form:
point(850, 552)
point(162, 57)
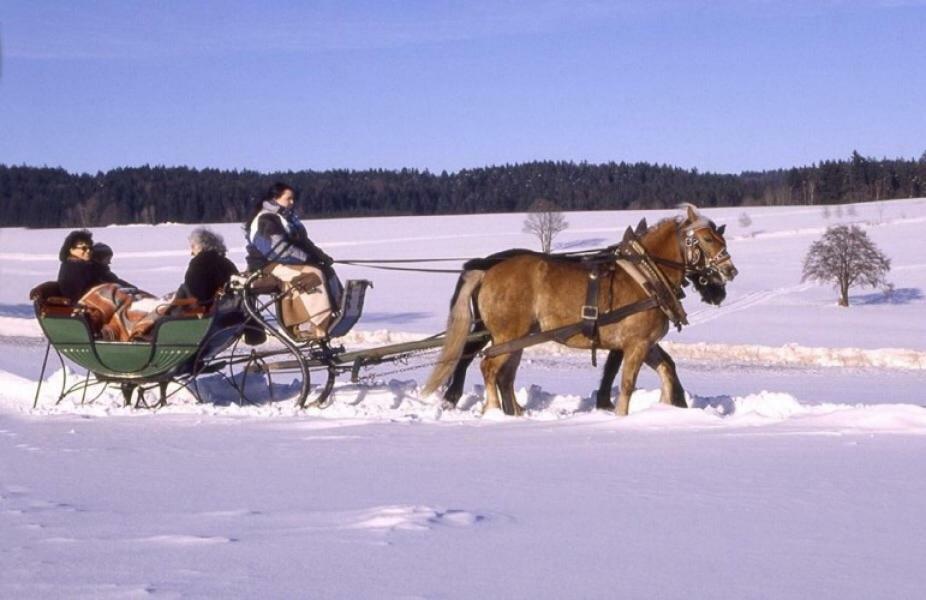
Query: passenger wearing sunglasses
point(78, 273)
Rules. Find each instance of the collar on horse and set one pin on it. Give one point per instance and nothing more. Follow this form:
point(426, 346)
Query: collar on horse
point(632, 257)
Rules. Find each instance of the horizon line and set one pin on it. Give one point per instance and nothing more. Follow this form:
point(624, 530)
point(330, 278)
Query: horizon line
point(427, 170)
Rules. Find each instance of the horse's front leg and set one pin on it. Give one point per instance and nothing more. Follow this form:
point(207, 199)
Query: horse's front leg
point(633, 360)
point(671, 391)
point(611, 366)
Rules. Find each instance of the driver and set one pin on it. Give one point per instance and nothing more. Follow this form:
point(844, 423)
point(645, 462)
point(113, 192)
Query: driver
point(279, 245)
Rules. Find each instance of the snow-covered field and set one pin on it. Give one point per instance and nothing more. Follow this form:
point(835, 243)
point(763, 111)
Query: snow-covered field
point(796, 472)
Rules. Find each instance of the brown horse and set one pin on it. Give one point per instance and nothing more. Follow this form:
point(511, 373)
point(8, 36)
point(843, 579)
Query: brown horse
point(528, 293)
point(709, 285)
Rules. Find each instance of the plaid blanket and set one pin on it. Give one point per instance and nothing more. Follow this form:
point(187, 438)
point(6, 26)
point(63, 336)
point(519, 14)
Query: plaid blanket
point(121, 314)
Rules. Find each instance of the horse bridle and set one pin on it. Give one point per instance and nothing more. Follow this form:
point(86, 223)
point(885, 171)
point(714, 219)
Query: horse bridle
point(695, 260)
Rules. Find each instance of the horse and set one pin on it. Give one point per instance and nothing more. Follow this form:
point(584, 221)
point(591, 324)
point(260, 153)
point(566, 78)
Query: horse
point(708, 283)
point(523, 293)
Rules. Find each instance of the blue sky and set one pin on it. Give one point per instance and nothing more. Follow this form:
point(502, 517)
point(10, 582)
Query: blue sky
point(721, 86)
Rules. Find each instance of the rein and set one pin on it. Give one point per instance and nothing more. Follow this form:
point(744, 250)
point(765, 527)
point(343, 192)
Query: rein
point(361, 261)
point(381, 264)
point(409, 269)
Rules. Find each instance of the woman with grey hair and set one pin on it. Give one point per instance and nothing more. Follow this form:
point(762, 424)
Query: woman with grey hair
point(204, 238)
point(209, 270)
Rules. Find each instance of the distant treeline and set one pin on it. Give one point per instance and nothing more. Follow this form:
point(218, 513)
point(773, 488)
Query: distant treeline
point(49, 197)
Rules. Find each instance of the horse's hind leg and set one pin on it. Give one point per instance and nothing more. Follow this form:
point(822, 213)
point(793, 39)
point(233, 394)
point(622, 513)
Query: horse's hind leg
point(672, 391)
point(611, 366)
point(633, 360)
point(506, 384)
point(491, 370)
point(455, 386)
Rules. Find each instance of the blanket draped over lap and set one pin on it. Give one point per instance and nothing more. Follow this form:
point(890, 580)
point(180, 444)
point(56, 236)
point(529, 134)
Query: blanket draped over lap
point(122, 314)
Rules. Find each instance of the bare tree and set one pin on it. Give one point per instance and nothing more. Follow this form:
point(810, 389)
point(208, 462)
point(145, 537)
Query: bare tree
point(745, 220)
point(846, 257)
point(545, 221)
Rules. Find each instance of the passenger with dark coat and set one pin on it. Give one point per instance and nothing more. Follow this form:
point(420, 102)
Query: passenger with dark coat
point(209, 270)
point(78, 273)
point(129, 315)
point(103, 255)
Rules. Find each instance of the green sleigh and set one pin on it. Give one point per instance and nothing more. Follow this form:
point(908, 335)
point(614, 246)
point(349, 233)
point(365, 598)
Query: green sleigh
point(180, 347)
point(212, 339)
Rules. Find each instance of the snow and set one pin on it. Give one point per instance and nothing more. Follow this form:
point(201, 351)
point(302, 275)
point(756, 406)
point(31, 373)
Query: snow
point(795, 472)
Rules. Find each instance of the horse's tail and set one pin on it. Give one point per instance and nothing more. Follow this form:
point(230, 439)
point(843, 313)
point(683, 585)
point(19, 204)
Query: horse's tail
point(459, 324)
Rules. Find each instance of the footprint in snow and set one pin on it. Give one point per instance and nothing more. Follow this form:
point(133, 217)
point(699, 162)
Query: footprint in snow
point(184, 540)
point(412, 518)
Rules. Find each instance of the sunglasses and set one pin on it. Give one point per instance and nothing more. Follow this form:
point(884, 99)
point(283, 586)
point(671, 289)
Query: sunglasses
point(88, 248)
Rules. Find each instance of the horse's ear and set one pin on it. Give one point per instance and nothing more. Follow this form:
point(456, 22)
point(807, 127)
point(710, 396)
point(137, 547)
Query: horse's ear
point(722, 228)
point(692, 215)
point(628, 235)
point(641, 226)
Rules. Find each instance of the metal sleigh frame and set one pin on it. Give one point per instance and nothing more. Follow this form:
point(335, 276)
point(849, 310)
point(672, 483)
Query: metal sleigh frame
point(185, 347)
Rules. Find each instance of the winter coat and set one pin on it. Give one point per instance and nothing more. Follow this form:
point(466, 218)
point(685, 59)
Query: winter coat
point(207, 273)
point(110, 277)
point(277, 235)
point(76, 277)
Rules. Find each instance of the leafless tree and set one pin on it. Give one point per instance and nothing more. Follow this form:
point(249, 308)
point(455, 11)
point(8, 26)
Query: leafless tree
point(545, 221)
point(745, 220)
point(846, 257)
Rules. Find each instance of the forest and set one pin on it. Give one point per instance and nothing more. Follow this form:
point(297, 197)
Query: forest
point(52, 197)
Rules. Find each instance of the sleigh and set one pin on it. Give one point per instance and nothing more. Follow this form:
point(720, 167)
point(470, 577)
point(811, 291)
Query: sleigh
point(225, 339)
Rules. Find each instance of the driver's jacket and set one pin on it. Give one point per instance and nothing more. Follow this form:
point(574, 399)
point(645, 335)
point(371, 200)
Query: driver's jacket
point(276, 235)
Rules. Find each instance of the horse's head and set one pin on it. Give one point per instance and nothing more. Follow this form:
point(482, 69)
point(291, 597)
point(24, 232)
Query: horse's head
point(703, 247)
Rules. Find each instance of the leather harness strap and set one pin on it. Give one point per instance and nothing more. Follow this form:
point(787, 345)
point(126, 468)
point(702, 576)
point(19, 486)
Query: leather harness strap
point(637, 262)
point(561, 334)
point(590, 309)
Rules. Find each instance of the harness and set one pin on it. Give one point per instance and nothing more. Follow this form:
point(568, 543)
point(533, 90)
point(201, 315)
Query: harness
point(630, 256)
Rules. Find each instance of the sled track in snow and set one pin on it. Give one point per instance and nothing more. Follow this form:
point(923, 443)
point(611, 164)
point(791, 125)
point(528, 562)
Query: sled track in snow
point(743, 303)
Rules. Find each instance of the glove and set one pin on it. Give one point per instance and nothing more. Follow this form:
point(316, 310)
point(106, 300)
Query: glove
point(323, 259)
